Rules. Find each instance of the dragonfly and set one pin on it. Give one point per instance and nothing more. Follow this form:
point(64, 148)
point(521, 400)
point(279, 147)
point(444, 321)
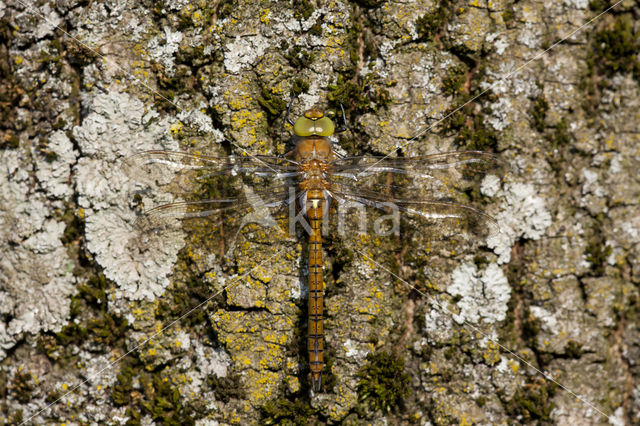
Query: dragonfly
point(306, 186)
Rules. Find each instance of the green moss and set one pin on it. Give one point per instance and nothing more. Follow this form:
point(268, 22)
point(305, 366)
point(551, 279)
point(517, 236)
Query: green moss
point(466, 122)
point(187, 291)
point(369, 4)
point(193, 55)
point(121, 391)
point(597, 253)
point(48, 345)
point(108, 329)
point(561, 136)
point(226, 8)
point(300, 86)
point(3, 385)
point(598, 6)
point(162, 401)
point(474, 135)
point(22, 386)
point(573, 349)
point(530, 329)
point(96, 324)
point(316, 29)
point(481, 401)
point(615, 49)
point(156, 395)
point(329, 380)
point(93, 291)
point(382, 384)
point(9, 141)
point(105, 330)
point(226, 388)
point(451, 352)
point(43, 149)
point(71, 334)
point(430, 24)
point(181, 82)
point(358, 96)
point(271, 102)
point(299, 58)
point(352, 46)
point(533, 402)
point(303, 9)
point(18, 418)
point(509, 16)
point(73, 231)
point(59, 124)
point(285, 412)
point(539, 113)
point(454, 80)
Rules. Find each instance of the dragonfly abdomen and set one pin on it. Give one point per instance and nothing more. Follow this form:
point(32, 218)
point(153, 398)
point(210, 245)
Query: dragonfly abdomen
point(315, 336)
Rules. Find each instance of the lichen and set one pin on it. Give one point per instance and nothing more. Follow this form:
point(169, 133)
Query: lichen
point(398, 68)
point(479, 295)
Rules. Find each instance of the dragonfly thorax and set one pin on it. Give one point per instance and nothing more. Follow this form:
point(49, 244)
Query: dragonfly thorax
point(313, 148)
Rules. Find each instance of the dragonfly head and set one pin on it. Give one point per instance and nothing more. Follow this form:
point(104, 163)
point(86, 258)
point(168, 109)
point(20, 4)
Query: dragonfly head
point(313, 122)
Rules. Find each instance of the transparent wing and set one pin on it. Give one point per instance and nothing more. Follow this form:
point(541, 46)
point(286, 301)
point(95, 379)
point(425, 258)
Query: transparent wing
point(430, 193)
point(187, 170)
point(208, 196)
point(216, 222)
point(220, 210)
point(440, 173)
point(437, 219)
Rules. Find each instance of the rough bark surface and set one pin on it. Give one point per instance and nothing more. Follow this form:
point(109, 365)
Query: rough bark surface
point(87, 83)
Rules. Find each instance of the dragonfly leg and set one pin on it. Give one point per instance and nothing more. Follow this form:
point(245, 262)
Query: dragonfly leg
point(344, 126)
point(286, 118)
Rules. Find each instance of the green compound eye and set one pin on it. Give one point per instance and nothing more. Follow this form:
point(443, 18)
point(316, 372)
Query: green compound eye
point(303, 127)
point(324, 127)
point(306, 127)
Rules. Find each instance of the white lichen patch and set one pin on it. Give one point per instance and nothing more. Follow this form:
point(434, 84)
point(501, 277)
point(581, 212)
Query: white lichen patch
point(46, 26)
point(548, 321)
point(163, 49)
point(490, 185)
point(507, 83)
point(36, 282)
point(523, 214)
point(100, 373)
point(576, 4)
point(117, 127)
point(53, 175)
point(203, 362)
point(352, 350)
point(483, 294)
point(201, 121)
point(498, 41)
point(243, 52)
point(438, 322)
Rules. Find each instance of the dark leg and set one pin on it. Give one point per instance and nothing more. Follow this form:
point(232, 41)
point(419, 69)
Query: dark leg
point(344, 126)
point(286, 118)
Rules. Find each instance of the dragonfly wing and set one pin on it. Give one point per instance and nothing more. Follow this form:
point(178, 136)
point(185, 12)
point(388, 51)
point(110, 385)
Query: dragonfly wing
point(184, 170)
point(249, 204)
point(442, 172)
point(440, 219)
point(219, 221)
